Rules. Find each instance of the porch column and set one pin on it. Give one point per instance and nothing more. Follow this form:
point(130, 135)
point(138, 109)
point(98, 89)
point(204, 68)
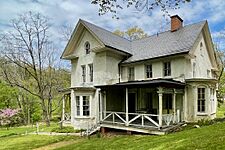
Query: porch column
point(73, 105)
point(174, 105)
point(63, 108)
point(185, 108)
point(127, 116)
point(100, 106)
point(160, 93)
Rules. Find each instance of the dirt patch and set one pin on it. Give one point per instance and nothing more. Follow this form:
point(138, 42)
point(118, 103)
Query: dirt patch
point(58, 145)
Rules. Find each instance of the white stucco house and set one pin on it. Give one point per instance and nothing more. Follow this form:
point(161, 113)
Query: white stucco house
point(145, 85)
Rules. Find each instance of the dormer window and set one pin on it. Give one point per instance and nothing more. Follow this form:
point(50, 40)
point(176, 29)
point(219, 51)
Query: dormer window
point(87, 47)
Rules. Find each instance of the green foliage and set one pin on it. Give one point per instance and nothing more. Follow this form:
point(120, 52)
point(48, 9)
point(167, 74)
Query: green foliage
point(65, 130)
point(36, 116)
point(205, 122)
point(8, 96)
point(221, 89)
point(56, 118)
point(132, 33)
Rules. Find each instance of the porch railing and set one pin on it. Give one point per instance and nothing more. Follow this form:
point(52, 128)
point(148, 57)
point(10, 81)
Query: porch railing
point(137, 119)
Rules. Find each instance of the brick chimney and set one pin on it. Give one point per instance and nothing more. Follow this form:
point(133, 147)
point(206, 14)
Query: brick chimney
point(176, 23)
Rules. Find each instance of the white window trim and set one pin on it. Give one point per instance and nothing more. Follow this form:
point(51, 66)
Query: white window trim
point(83, 74)
point(205, 113)
point(81, 107)
point(167, 76)
point(146, 69)
point(129, 73)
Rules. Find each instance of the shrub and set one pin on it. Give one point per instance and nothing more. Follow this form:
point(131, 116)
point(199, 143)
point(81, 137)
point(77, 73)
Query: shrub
point(56, 118)
point(205, 122)
point(36, 117)
point(10, 117)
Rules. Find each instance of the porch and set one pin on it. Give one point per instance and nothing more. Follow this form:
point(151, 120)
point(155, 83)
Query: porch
point(146, 106)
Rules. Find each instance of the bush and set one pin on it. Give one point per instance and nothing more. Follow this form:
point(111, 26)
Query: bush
point(36, 117)
point(205, 122)
point(65, 130)
point(56, 118)
point(10, 117)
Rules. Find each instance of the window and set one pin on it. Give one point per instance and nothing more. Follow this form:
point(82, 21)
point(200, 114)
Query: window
point(87, 47)
point(194, 69)
point(201, 45)
point(83, 73)
point(82, 105)
point(78, 105)
point(91, 72)
point(131, 73)
point(86, 111)
point(167, 69)
point(201, 99)
point(148, 69)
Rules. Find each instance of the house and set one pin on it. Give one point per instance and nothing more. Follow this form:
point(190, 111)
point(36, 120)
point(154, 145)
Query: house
point(146, 85)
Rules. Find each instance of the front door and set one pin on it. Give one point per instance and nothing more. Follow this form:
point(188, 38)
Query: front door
point(131, 102)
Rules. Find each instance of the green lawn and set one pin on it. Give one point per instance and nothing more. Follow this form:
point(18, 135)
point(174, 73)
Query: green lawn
point(25, 142)
point(208, 137)
point(23, 129)
point(15, 137)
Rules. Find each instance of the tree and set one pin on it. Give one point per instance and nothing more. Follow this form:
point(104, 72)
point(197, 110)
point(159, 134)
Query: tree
point(8, 96)
point(133, 33)
point(66, 31)
point(111, 6)
point(29, 58)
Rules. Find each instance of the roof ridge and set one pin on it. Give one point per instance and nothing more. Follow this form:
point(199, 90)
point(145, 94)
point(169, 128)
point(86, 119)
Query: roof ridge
point(168, 30)
point(105, 30)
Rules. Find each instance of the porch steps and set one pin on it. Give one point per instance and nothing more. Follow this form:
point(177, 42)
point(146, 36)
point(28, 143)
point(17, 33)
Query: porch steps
point(91, 130)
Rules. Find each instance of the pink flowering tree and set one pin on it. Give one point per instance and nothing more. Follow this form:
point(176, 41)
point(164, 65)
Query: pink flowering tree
point(8, 117)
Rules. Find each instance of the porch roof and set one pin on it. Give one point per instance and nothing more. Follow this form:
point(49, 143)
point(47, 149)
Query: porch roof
point(144, 83)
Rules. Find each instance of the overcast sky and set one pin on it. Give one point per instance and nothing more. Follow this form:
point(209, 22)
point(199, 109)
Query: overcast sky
point(69, 11)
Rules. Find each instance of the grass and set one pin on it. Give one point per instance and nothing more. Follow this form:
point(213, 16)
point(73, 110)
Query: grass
point(23, 142)
point(208, 137)
point(15, 137)
point(23, 129)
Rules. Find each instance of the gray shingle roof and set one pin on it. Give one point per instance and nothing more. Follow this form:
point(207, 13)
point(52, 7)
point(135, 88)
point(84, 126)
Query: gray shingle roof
point(163, 44)
point(166, 43)
point(109, 39)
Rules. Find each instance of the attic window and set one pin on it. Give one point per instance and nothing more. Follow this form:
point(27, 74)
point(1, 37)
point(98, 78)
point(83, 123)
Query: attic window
point(87, 47)
point(201, 45)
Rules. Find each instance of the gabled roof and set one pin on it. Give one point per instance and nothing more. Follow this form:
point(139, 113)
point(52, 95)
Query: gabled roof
point(159, 45)
point(108, 38)
point(166, 43)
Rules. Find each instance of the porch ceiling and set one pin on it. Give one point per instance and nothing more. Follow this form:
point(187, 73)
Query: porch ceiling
point(147, 83)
